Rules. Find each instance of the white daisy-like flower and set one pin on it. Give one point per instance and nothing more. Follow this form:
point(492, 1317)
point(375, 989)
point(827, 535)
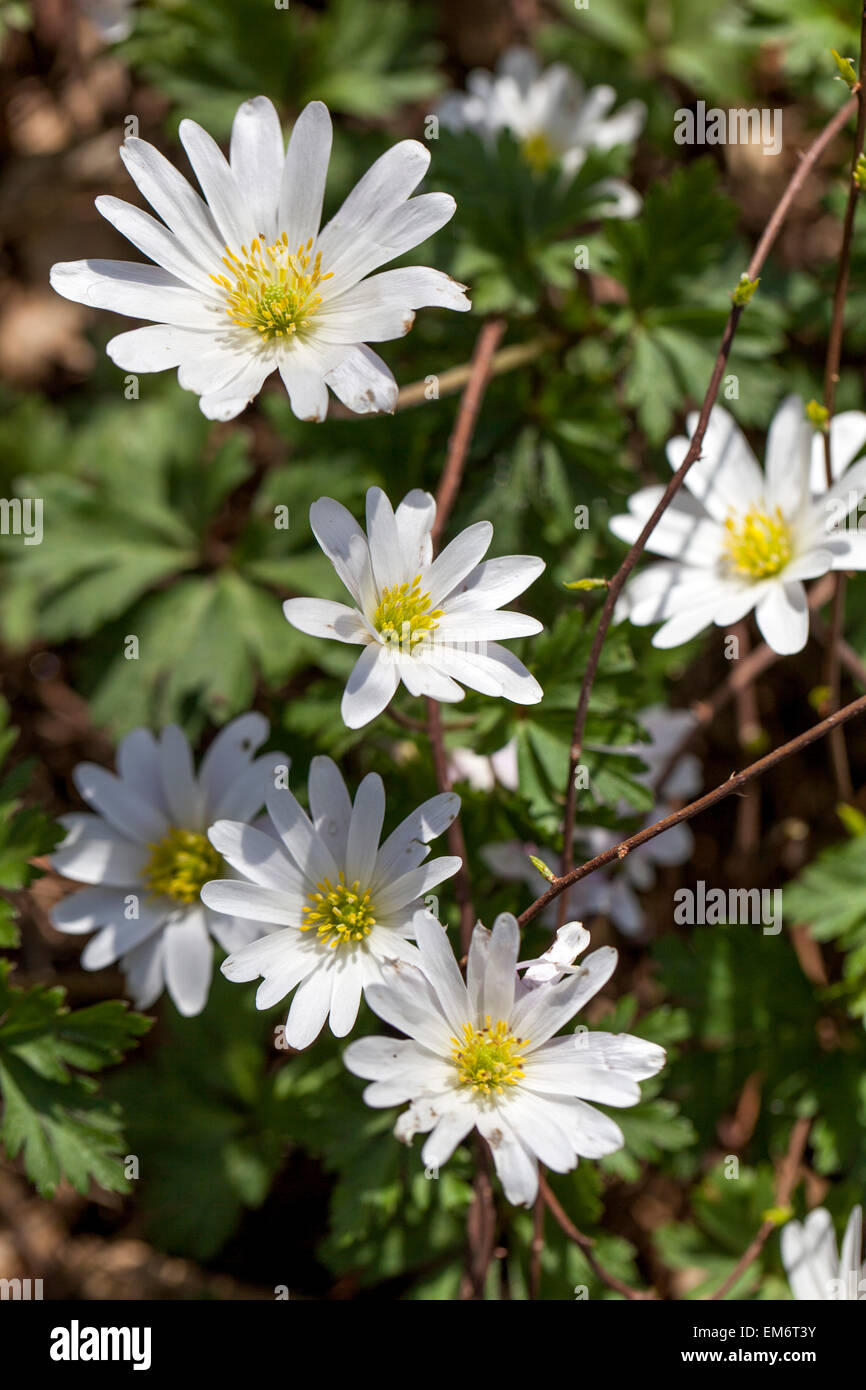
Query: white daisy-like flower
point(552, 118)
point(738, 538)
point(428, 623)
point(815, 1269)
point(245, 283)
point(613, 892)
point(146, 853)
point(345, 903)
point(481, 1054)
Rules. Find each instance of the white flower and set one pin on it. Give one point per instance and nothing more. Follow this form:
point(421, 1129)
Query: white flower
point(550, 116)
point(345, 903)
point(111, 18)
point(245, 283)
point(482, 1055)
point(612, 892)
point(740, 539)
point(814, 1267)
point(147, 854)
point(428, 623)
point(482, 772)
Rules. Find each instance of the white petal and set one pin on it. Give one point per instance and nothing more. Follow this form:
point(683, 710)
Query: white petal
point(281, 907)
point(176, 202)
point(178, 779)
point(157, 347)
point(500, 975)
point(157, 242)
point(457, 560)
point(310, 1008)
point(231, 212)
point(230, 754)
point(122, 805)
point(344, 543)
point(442, 971)
point(330, 805)
point(136, 290)
point(408, 846)
point(516, 1169)
point(364, 382)
point(308, 393)
point(94, 852)
point(365, 827)
point(726, 477)
point(415, 516)
point(782, 615)
point(257, 856)
point(375, 676)
point(304, 174)
point(188, 963)
point(256, 157)
point(304, 845)
point(495, 582)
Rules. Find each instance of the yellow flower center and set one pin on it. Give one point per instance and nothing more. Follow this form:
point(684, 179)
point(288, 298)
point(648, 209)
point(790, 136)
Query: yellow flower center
point(271, 289)
point(488, 1059)
point(181, 864)
point(342, 912)
point(758, 544)
point(404, 616)
point(538, 151)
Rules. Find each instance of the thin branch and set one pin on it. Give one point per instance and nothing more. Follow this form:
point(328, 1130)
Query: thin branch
point(587, 1245)
point(458, 446)
point(787, 1181)
point(703, 803)
point(838, 752)
point(807, 163)
point(507, 359)
point(456, 838)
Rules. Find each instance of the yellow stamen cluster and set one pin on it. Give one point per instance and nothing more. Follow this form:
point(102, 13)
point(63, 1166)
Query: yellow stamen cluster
point(758, 544)
point(270, 289)
point(538, 151)
point(342, 912)
point(488, 1059)
point(180, 864)
point(404, 616)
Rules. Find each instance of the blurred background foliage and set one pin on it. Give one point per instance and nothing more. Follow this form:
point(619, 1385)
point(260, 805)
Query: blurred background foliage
point(163, 526)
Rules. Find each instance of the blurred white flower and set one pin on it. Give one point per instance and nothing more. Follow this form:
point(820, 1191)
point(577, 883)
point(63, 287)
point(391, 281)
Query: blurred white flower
point(111, 18)
point(147, 854)
point(481, 1054)
point(481, 771)
point(552, 117)
point(613, 891)
point(428, 623)
point(736, 538)
point(245, 282)
point(815, 1269)
point(345, 904)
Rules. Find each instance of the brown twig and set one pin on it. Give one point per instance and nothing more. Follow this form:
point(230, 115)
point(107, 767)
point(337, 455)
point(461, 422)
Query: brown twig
point(703, 803)
point(587, 1245)
point(838, 752)
point(452, 380)
point(807, 163)
point(456, 838)
point(461, 437)
point(537, 1247)
point(787, 1179)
